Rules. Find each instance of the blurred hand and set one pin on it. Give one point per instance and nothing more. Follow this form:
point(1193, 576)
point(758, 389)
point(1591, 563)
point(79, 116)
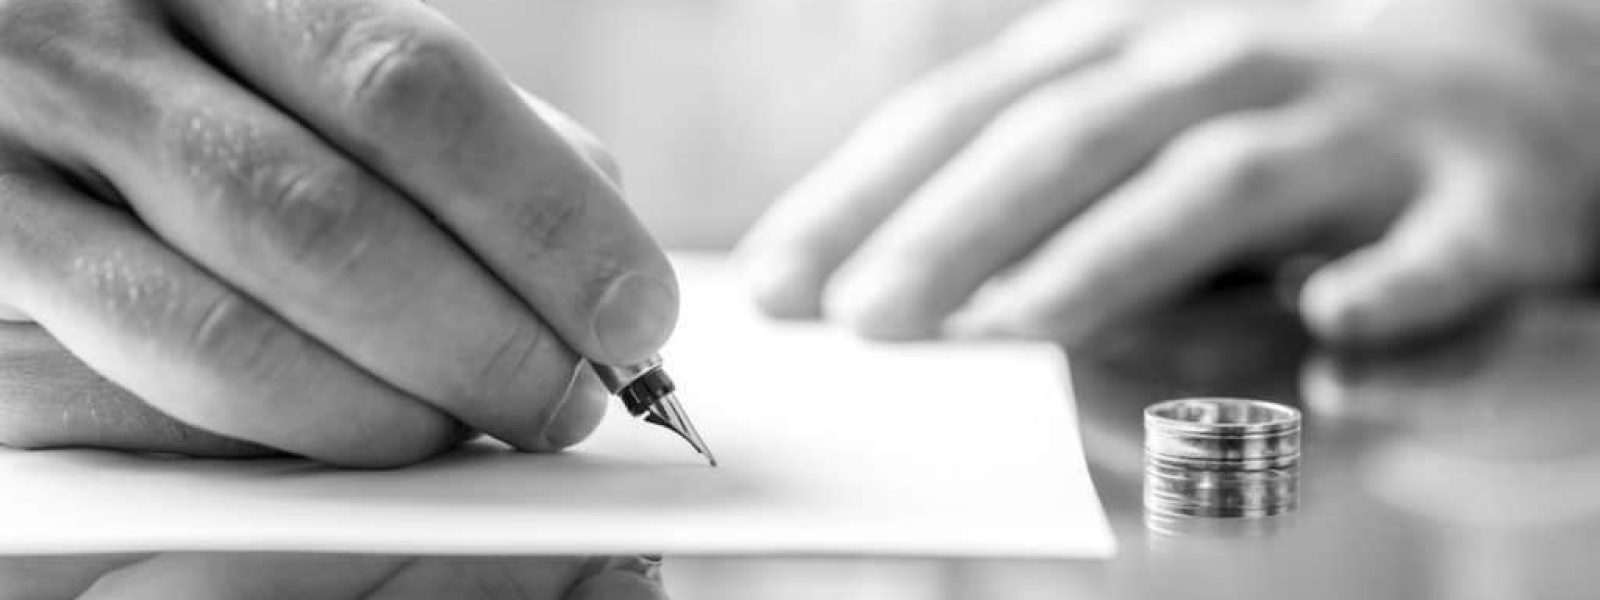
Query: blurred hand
point(323, 227)
point(328, 577)
point(1101, 157)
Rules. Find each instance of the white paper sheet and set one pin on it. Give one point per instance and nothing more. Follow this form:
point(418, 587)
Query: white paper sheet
point(829, 445)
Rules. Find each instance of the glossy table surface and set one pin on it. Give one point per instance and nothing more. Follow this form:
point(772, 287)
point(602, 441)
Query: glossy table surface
point(1468, 467)
point(1464, 467)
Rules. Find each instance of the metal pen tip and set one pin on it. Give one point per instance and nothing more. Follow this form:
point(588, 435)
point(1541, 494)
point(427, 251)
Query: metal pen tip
point(646, 391)
point(668, 413)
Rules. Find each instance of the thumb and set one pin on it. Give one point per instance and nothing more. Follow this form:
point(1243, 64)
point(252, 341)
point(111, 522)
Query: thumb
point(1397, 290)
point(1471, 240)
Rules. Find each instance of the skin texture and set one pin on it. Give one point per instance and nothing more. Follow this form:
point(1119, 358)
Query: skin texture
point(320, 227)
point(1102, 158)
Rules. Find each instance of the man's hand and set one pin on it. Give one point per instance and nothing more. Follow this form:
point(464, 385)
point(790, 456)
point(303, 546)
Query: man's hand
point(323, 227)
point(328, 577)
point(1101, 157)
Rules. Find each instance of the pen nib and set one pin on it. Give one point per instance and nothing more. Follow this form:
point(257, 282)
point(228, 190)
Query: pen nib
point(667, 413)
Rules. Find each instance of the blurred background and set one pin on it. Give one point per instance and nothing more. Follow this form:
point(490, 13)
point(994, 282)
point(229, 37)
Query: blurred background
point(714, 106)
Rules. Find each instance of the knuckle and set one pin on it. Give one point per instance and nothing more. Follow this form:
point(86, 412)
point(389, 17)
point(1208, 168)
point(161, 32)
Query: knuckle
point(318, 216)
point(232, 330)
point(1058, 134)
point(321, 217)
point(392, 71)
point(1242, 162)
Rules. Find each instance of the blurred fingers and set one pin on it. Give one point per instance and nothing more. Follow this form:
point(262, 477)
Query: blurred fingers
point(1483, 228)
point(793, 251)
point(1035, 167)
point(1221, 191)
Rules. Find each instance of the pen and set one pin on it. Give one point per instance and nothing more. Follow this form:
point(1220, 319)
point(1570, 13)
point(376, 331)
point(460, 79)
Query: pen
point(646, 390)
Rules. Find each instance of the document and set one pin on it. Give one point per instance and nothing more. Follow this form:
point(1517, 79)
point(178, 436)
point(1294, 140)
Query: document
point(828, 445)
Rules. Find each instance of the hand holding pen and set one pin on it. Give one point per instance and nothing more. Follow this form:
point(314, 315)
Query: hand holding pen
point(353, 242)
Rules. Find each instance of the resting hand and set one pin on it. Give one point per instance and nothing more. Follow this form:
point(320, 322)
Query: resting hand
point(1101, 157)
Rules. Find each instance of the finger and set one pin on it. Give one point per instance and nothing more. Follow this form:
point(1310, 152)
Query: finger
point(267, 207)
point(1238, 183)
point(577, 136)
point(401, 90)
point(50, 399)
point(158, 326)
point(792, 252)
point(1040, 163)
point(583, 407)
point(1482, 229)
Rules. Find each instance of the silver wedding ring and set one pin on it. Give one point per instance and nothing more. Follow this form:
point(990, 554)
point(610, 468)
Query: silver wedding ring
point(1221, 457)
point(1233, 433)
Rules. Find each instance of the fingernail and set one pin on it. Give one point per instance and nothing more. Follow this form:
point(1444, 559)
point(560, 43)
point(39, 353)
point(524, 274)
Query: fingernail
point(580, 412)
point(635, 317)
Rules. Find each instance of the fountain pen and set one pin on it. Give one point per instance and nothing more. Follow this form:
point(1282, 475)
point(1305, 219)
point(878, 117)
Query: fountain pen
point(646, 390)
